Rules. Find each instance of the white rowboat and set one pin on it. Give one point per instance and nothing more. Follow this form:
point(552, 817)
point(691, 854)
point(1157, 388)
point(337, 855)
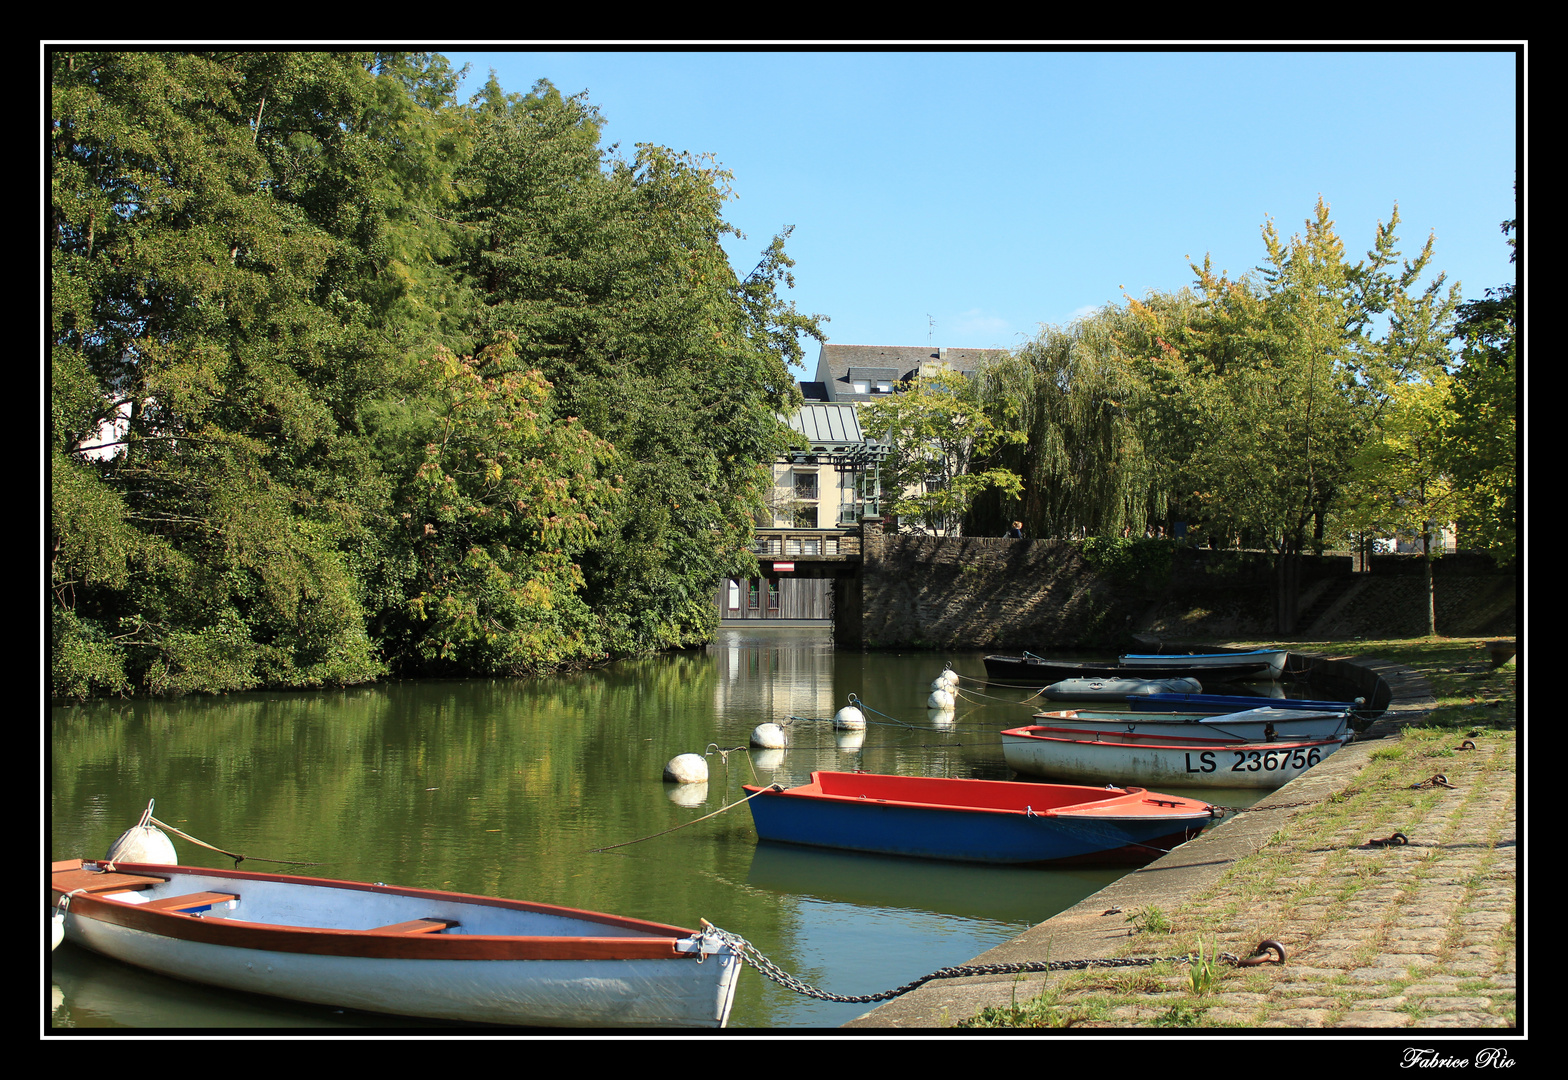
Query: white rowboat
point(404, 951)
point(1251, 725)
point(1273, 658)
point(1080, 755)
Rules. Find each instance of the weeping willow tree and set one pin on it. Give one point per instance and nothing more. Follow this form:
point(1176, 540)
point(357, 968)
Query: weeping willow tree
point(1079, 398)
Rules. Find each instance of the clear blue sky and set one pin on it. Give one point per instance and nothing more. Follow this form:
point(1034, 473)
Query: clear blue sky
point(964, 197)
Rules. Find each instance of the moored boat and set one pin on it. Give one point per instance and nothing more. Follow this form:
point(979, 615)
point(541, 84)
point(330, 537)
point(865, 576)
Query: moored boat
point(1272, 659)
point(1084, 755)
point(988, 821)
point(389, 949)
point(1250, 725)
point(1117, 689)
point(1226, 703)
point(1041, 671)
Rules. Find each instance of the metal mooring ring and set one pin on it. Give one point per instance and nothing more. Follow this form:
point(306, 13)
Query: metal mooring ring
point(1260, 955)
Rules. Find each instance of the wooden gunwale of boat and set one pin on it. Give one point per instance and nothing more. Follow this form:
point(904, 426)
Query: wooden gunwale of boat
point(1089, 801)
point(69, 878)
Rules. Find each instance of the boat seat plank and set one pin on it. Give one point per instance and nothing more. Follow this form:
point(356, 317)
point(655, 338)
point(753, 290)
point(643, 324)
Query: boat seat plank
point(77, 880)
point(415, 926)
point(190, 903)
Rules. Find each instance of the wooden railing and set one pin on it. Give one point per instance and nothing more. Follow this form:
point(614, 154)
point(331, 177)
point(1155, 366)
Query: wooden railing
point(804, 543)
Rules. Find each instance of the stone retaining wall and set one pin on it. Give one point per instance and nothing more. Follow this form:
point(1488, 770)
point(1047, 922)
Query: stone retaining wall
point(986, 592)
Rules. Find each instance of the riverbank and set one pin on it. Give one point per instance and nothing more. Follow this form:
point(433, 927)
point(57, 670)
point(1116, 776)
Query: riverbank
point(1377, 936)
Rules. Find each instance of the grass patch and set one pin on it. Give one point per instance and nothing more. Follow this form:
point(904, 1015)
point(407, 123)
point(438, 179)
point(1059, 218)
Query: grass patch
point(1150, 920)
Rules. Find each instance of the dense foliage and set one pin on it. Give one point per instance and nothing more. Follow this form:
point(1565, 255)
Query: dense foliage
point(1303, 406)
point(349, 377)
point(1481, 421)
point(938, 430)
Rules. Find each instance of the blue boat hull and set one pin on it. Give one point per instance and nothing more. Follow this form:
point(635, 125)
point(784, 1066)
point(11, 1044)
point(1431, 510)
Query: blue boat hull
point(964, 835)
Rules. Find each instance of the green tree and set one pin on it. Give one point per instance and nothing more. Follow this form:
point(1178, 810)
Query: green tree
point(612, 277)
point(1480, 445)
point(218, 324)
point(940, 430)
point(1288, 371)
point(1400, 481)
point(505, 499)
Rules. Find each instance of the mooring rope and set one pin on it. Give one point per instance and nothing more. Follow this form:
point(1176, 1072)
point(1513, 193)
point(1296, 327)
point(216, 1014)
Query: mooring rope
point(238, 858)
point(677, 828)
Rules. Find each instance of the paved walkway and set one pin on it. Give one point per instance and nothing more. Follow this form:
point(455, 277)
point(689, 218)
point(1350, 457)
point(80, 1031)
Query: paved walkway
point(1414, 935)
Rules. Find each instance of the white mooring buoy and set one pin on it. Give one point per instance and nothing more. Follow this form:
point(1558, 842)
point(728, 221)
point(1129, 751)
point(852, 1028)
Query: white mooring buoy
point(768, 736)
point(143, 843)
point(940, 699)
point(950, 677)
point(849, 718)
point(687, 769)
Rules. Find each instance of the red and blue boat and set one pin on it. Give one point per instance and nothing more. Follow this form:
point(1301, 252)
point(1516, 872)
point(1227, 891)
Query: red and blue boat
point(985, 821)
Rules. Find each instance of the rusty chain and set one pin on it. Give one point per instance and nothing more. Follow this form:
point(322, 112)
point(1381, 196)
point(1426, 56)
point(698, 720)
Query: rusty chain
point(1266, 951)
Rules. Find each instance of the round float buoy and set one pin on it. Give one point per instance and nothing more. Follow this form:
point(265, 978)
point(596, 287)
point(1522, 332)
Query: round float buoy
point(950, 677)
point(687, 769)
point(143, 843)
point(767, 736)
point(849, 718)
point(940, 699)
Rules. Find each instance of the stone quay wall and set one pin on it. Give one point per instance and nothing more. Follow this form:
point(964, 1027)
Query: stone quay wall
point(992, 593)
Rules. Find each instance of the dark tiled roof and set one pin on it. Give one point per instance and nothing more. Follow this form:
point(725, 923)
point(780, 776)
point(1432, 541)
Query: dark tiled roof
point(836, 364)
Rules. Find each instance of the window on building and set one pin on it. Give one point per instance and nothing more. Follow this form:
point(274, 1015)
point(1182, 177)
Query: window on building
point(773, 594)
point(806, 517)
point(860, 386)
point(751, 594)
point(805, 485)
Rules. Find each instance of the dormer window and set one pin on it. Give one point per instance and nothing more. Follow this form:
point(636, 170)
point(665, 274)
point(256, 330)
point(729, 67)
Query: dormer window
point(861, 387)
point(884, 386)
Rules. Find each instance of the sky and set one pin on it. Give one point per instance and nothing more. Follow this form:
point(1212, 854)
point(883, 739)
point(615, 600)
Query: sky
point(964, 197)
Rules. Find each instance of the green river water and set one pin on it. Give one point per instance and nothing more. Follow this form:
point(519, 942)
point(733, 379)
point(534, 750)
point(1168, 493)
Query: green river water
point(512, 787)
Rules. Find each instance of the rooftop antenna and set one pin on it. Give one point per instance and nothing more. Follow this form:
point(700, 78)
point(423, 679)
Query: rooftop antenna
point(930, 328)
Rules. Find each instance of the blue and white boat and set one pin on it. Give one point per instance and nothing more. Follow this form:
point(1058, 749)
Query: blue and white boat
point(1251, 725)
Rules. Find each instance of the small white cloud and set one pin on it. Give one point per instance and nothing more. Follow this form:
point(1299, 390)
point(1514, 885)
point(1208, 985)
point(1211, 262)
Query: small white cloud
point(976, 329)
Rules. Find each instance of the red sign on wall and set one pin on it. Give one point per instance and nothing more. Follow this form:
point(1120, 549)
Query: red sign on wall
point(783, 567)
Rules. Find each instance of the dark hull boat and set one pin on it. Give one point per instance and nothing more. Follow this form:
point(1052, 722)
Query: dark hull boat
point(1039, 671)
